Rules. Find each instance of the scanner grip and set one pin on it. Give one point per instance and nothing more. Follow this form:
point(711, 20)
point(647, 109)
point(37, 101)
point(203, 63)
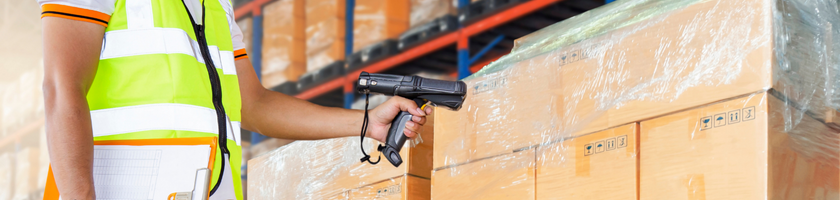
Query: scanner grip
point(396, 138)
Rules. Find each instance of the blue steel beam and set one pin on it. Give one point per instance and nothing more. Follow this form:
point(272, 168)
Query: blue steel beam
point(256, 59)
point(486, 49)
point(463, 45)
point(348, 49)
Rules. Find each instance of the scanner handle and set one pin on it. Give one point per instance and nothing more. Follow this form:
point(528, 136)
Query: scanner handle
point(396, 138)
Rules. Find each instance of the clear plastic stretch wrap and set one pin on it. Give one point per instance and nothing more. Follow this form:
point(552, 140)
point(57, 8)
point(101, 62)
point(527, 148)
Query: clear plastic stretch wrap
point(730, 99)
point(330, 169)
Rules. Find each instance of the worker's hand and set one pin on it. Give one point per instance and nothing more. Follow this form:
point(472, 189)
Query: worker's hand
point(382, 115)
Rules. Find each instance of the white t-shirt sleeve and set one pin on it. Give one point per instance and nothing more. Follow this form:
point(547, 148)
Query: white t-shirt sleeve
point(95, 11)
point(237, 37)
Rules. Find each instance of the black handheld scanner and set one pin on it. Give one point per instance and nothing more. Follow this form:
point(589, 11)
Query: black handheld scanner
point(450, 94)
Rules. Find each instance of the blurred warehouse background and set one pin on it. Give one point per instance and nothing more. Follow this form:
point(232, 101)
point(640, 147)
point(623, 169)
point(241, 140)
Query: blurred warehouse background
point(23, 153)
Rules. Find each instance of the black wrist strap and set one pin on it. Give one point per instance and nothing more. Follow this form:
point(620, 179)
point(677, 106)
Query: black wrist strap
point(364, 132)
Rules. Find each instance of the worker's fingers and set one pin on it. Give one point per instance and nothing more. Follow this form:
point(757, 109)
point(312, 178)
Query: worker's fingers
point(409, 105)
point(419, 120)
point(412, 128)
point(429, 110)
point(409, 134)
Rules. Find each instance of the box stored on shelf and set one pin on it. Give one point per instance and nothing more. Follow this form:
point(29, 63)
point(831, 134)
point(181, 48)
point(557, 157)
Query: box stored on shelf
point(374, 21)
point(284, 42)
point(324, 32)
point(648, 59)
point(331, 169)
point(510, 176)
point(600, 165)
point(743, 148)
point(424, 11)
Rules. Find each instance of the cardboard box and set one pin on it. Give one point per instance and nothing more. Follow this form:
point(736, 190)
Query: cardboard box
point(638, 70)
point(267, 145)
point(378, 20)
point(510, 176)
point(424, 11)
point(341, 196)
point(752, 147)
point(324, 32)
point(399, 188)
point(374, 21)
point(326, 168)
point(284, 42)
point(600, 165)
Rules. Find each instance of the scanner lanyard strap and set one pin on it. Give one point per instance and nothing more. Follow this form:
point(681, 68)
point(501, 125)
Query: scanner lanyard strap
point(365, 123)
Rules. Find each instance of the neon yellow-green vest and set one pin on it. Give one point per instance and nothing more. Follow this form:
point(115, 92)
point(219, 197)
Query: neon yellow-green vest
point(152, 81)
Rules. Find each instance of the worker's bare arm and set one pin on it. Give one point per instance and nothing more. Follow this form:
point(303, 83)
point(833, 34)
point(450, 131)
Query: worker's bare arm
point(278, 115)
point(71, 56)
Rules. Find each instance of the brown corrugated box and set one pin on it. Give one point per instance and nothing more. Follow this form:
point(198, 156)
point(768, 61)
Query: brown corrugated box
point(405, 187)
point(424, 11)
point(600, 165)
point(510, 176)
point(636, 72)
point(374, 21)
point(750, 147)
point(326, 168)
point(324, 32)
point(378, 20)
point(284, 42)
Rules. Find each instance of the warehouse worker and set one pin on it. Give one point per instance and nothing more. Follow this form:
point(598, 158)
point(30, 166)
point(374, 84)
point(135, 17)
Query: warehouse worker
point(142, 69)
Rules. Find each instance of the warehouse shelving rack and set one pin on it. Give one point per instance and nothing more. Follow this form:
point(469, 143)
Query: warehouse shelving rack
point(490, 34)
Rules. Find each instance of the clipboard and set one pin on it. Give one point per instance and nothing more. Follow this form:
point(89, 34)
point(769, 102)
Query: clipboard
point(51, 191)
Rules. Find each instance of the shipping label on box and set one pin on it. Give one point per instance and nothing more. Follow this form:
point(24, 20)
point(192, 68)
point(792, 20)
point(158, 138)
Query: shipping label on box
point(753, 147)
point(600, 165)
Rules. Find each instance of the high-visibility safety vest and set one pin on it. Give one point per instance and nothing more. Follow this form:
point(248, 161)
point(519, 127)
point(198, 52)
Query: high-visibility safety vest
point(152, 81)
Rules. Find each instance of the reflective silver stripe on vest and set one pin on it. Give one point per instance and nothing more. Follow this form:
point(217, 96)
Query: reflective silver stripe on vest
point(143, 38)
point(134, 42)
point(163, 116)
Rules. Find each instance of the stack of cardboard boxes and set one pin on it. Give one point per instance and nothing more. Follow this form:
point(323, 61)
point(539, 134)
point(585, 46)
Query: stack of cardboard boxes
point(330, 169)
point(324, 33)
point(300, 36)
point(373, 21)
point(661, 100)
point(284, 42)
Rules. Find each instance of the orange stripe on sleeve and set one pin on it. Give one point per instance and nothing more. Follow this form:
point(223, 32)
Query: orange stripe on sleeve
point(240, 54)
point(74, 13)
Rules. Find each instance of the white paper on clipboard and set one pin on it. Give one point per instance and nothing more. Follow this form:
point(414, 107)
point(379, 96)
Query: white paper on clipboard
point(146, 172)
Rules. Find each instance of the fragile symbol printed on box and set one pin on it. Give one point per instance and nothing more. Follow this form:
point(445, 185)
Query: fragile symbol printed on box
point(720, 119)
point(389, 190)
point(588, 150)
point(489, 84)
point(730, 117)
point(605, 145)
point(570, 57)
